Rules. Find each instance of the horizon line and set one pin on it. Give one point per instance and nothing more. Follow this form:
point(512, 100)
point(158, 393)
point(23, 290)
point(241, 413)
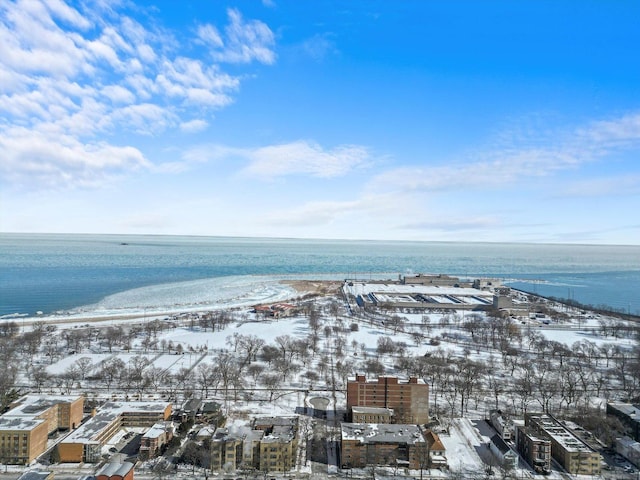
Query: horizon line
point(331, 239)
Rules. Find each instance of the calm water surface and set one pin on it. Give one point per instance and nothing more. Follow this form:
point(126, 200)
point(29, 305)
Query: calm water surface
point(49, 273)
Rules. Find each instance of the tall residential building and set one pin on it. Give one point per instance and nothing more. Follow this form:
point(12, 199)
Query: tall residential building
point(408, 399)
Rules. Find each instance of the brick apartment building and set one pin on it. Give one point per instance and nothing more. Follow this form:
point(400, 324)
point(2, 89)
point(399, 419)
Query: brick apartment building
point(409, 400)
point(270, 445)
point(155, 438)
point(85, 443)
point(575, 456)
point(365, 444)
point(534, 448)
point(24, 429)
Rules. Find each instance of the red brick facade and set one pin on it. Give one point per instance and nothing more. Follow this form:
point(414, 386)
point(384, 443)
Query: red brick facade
point(409, 400)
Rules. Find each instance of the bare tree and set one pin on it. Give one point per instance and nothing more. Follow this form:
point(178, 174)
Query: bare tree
point(207, 377)
point(271, 383)
point(84, 365)
point(110, 370)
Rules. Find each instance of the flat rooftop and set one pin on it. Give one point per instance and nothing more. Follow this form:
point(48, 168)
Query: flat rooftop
point(632, 411)
point(280, 434)
point(34, 405)
point(20, 424)
point(24, 414)
point(560, 434)
point(418, 294)
point(372, 410)
point(107, 414)
point(381, 433)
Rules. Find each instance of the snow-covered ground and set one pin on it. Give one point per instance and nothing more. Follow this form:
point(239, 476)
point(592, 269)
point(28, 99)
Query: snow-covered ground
point(422, 334)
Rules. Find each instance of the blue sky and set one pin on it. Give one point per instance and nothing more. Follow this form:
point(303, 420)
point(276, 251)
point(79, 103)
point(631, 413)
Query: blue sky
point(412, 120)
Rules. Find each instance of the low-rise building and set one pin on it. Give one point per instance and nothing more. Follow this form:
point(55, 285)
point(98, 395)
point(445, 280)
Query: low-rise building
point(507, 458)
point(279, 444)
point(575, 456)
point(501, 425)
point(437, 450)
point(155, 438)
point(36, 475)
point(210, 411)
point(24, 429)
point(270, 445)
point(629, 449)
point(628, 414)
point(86, 442)
point(116, 471)
point(365, 444)
point(535, 448)
point(371, 415)
point(226, 449)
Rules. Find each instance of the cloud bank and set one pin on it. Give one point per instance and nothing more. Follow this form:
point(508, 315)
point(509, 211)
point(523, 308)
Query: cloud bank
point(73, 79)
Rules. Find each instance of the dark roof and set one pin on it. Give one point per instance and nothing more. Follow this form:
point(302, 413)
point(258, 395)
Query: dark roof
point(500, 443)
point(210, 407)
point(34, 475)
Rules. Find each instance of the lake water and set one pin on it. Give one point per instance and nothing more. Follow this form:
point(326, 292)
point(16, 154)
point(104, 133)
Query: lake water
point(122, 273)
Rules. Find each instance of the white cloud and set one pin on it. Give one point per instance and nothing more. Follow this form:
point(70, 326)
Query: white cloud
point(209, 35)
point(305, 158)
point(326, 212)
point(507, 165)
point(194, 126)
point(296, 158)
point(623, 131)
point(31, 41)
point(31, 159)
point(312, 214)
point(245, 41)
point(62, 11)
point(318, 47)
point(455, 224)
point(79, 72)
point(118, 94)
point(145, 118)
point(607, 186)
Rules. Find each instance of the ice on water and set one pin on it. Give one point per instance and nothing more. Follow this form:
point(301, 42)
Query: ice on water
point(212, 293)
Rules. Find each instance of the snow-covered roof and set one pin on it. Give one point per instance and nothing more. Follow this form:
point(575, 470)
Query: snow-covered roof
point(382, 433)
point(391, 288)
point(120, 469)
point(372, 410)
point(108, 413)
point(156, 431)
point(430, 296)
point(559, 433)
point(25, 412)
point(34, 405)
point(19, 423)
point(627, 409)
